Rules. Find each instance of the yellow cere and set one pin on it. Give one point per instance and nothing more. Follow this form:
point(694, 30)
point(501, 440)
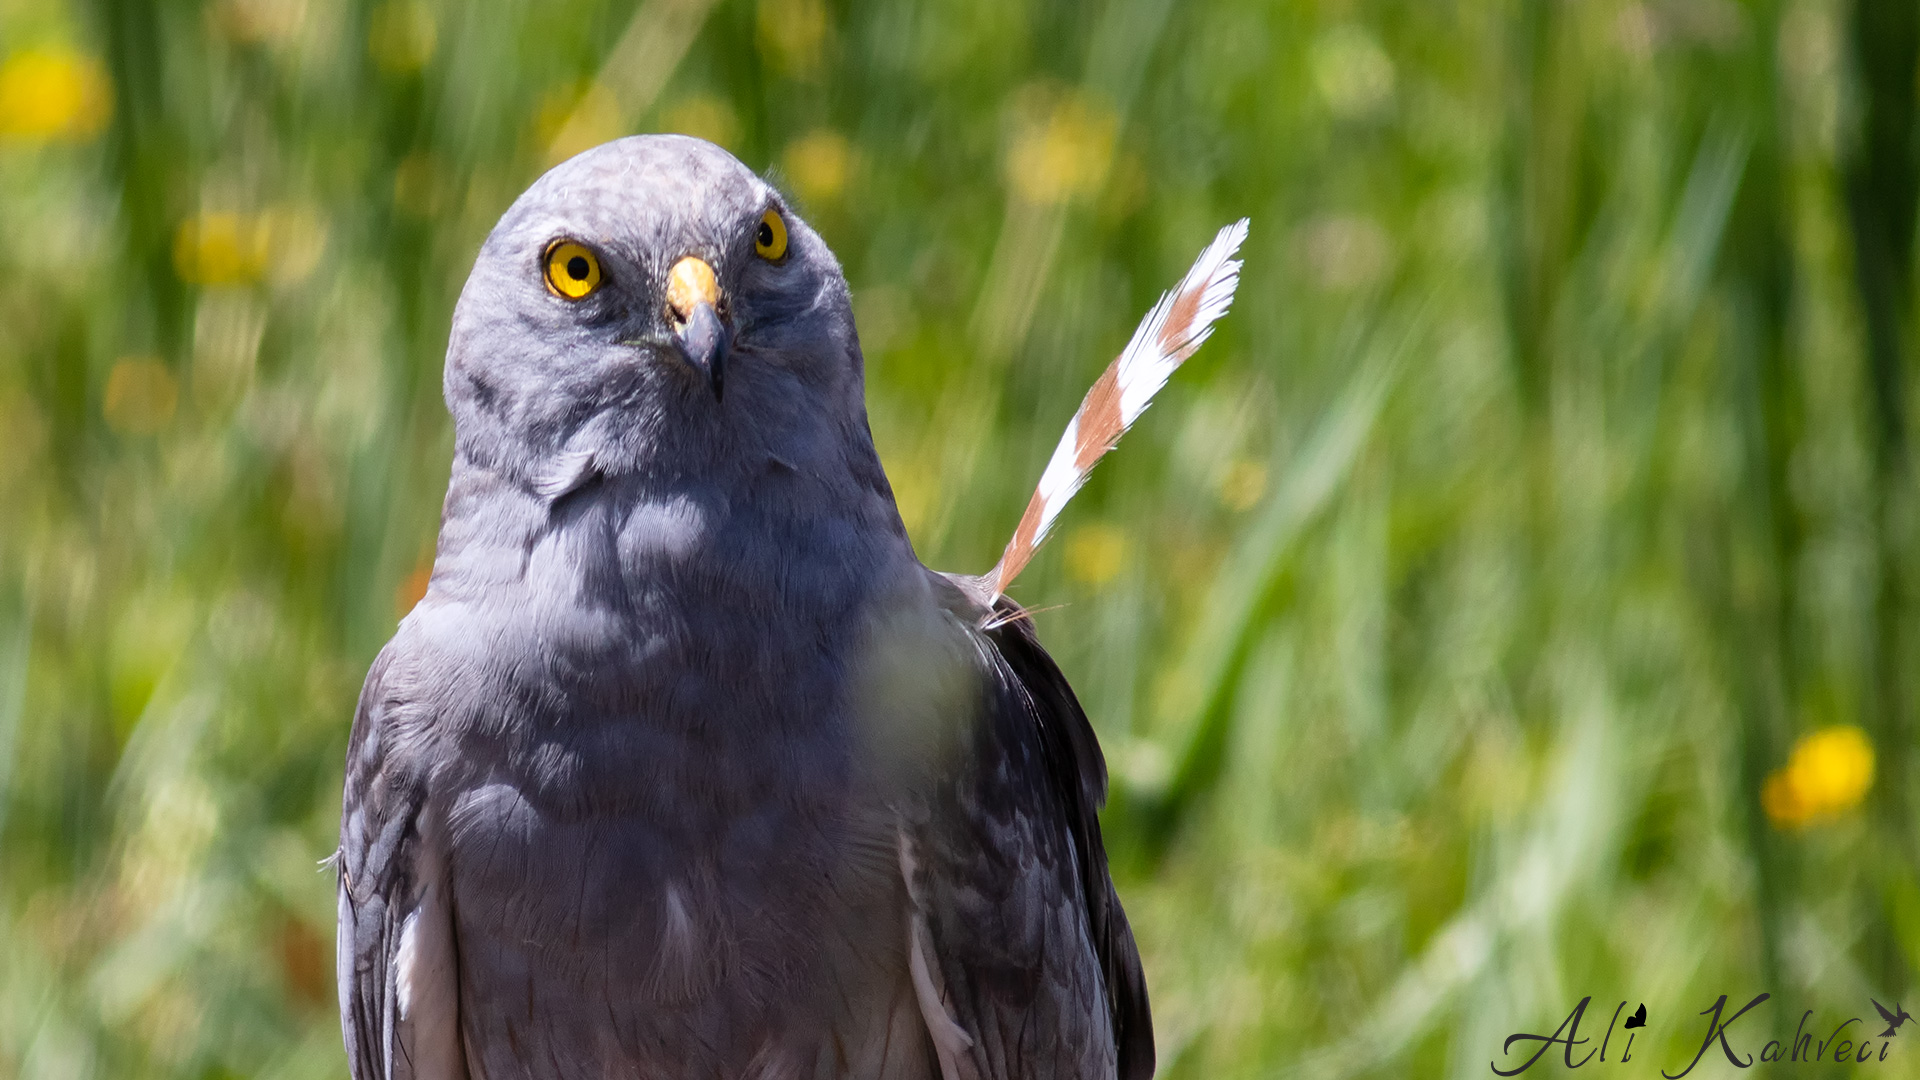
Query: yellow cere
point(572, 271)
point(691, 282)
point(771, 238)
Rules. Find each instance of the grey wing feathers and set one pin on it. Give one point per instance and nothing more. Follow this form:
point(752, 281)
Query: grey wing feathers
point(380, 841)
point(1037, 958)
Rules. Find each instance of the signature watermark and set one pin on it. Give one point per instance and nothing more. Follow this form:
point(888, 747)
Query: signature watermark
point(1843, 1043)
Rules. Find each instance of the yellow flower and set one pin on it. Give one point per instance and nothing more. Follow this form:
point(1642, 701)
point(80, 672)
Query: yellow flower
point(1827, 774)
point(264, 22)
point(220, 248)
point(401, 36)
point(791, 35)
point(418, 184)
point(141, 396)
point(1243, 485)
point(1778, 799)
point(703, 117)
point(295, 238)
point(1096, 553)
point(574, 118)
point(1060, 152)
point(282, 244)
point(819, 162)
point(53, 94)
point(1353, 72)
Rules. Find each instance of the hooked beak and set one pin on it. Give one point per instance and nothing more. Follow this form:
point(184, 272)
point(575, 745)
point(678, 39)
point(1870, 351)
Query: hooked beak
point(704, 338)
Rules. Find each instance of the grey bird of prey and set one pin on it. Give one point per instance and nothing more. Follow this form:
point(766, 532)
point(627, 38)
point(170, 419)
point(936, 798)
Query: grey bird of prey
point(685, 766)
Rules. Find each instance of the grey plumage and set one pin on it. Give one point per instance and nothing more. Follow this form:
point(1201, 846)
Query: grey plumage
point(685, 766)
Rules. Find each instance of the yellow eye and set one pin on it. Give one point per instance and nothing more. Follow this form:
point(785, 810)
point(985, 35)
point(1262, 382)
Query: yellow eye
point(770, 240)
point(572, 270)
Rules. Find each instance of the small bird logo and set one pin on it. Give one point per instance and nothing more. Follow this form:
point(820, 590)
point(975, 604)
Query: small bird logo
point(1894, 1019)
point(1639, 1017)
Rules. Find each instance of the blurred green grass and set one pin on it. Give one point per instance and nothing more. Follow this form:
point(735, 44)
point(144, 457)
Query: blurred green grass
point(1445, 624)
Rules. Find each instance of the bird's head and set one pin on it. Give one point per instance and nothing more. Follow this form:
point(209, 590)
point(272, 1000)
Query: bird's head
point(652, 306)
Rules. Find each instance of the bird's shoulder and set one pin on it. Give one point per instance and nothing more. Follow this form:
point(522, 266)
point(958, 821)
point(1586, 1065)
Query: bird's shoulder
point(387, 772)
point(435, 682)
point(1052, 936)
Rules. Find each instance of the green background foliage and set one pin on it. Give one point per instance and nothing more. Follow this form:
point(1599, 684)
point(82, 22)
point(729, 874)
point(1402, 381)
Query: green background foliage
point(1444, 622)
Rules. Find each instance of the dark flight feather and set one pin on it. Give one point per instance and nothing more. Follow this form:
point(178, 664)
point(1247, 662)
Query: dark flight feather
point(1021, 821)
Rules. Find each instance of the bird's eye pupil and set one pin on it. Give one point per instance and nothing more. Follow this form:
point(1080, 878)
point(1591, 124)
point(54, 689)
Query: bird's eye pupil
point(577, 268)
point(765, 238)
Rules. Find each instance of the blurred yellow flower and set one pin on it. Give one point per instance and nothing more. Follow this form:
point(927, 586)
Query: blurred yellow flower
point(283, 244)
point(573, 119)
point(296, 238)
point(704, 117)
point(1827, 774)
point(418, 183)
point(264, 22)
point(818, 163)
point(791, 34)
point(1061, 149)
point(1245, 481)
point(53, 94)
point(401, 36)
point(220, 248)
point(1354, 74)
point(556, 108)
point(1096, 553)
point(141, 396)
